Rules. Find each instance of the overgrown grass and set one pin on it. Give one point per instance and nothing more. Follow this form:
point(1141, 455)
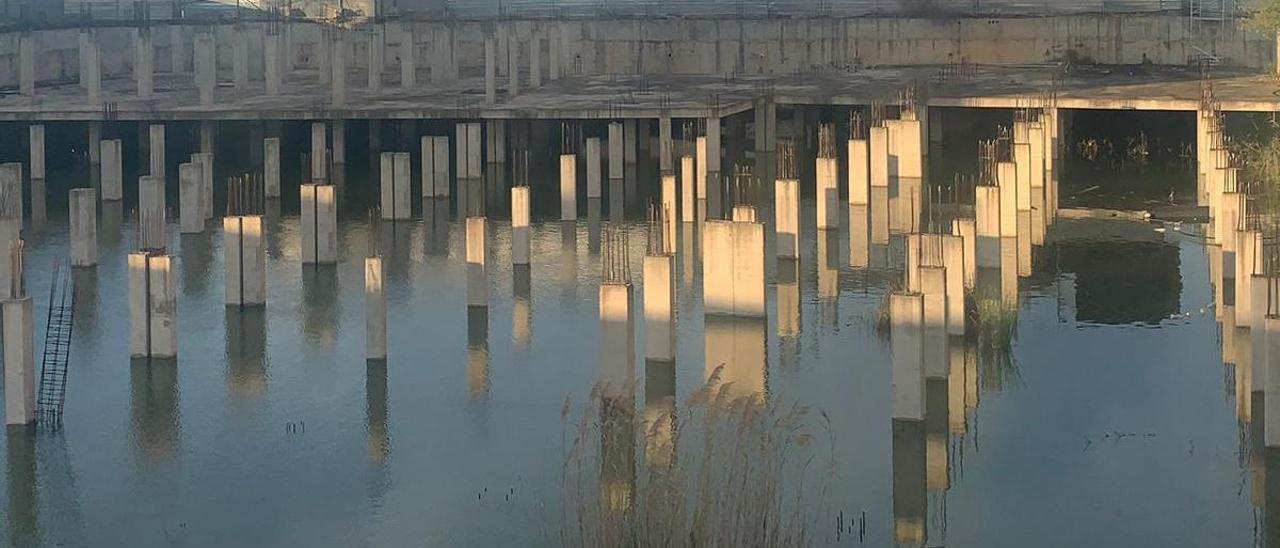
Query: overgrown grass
point(1260, 165)
point(720, 469)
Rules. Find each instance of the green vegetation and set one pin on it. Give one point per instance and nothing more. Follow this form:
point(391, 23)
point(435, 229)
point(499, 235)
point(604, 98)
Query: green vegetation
point(1265, 16)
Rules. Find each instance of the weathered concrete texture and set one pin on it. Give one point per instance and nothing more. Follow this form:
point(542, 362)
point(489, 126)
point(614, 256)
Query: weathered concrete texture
point(19, 362)
point(733, 268)
point(659, 307)
point(669, 210)
point(395, 192)
point(879, 156)
point(83, 220)
point(205, 161)
point(859, 172)
point(688, 209)
point(151, 213)
point(616, 150)
point(435, 166)
point(520, 225)
point(375, 310)
point(319, 153)
point(190, 198)
point(319, 224)
point(906, 320)
point(11, 190)
point(111, 174)
point(245, 257)
point(568, 187)
point(827, 194)
point(153, 306)
point(477, 275)
point(786, 207)
point(593, 168)
point(35, 142)
point(271, 167)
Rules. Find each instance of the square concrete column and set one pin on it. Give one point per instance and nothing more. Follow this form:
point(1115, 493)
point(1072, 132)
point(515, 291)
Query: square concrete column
point(477, 277)
point(375, 310)
point(967, 231)
point(240, 58)
point(206, 66)
point(733, 267)
point(659, 307)
point(10, 237)
point(271, 167)
point(713, 153)
point(395, 186)
point(153, 306)
point(112, 174)
point(520, 225)
point(688, 206)
point(664, 145)
point(19, 362)
point(205, 161)
point(151, 213)
point(93, 73)
point(408, 58)
point(668, 196)
point(338, 81)
point(827, 194)
point(156, 133)
point(11, 188)
point(245, 258)
point(338, 130)
point(535, 60)
point(92, 141)
point(144, 64)
point(319, 153)
point(35, 133)
point(513, 65)
point(568, 187)
point(906, 318)
point(177, 51)
point(377, 62)
point(615, 150)
point(490, 71)
point(859, 172)
point(496, 141)
point(27, 65)
point(1007, 179)
point(272, 65)
point(435, 166)
point(190, 198)
point(319, 224)
point(630, 141)
point(878, 143)
point(786, 207)
point(593, 168)
point(83, 217)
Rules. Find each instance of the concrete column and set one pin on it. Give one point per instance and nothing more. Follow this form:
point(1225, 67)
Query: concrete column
point(659, 308)
point(10, 237)
point(191, 198)
point(273, 70)
point(568, 187)
point(245, 257)
point(688, 207)
point(1271, 413)
point(953, 260)
point(827, 193)
point(151, 212)
point(878, 143)
point(19, 362)
point(206, 66)
point(909, 150)
point(1007, 179)
point(553, 52)
point(520, 225)
point(859, 180)
point(375, 310)
point(11, 186)
point(112, 174)
point(615, 150)
point(906, 316)
point(377, 62)
point(664, 145)
point(670, 209)
point(513, 65)
point(408, 58)
point(205, 161)
point(319, 153)
point(535, 60)
point(933, 287)
point(93, 142)
point(240, 58)
point(477, 277)
point(153, 306)
point(987, 226)
point(766, 125)
point(84, 38)
point(156, 132)
point(36, 151)
point(473, 151)
point(177, 53)
point(700, 173)
point(319, 224)
point(27, 65)
point(966, 230)
point(490, 71)
point(271, 167)
point(593, 168)
point(93, 73)
point(733, 279)
point(496, 141)
point(786, 206)
point(207, 136)
point(144, 69)
point(395, 190)
point(325, 55)
point(338, 80)
point(338, 130)
point(83, 218)
point(630, 140)
point(435, 166)
point(617, 341)
point(859, 236)
point(1248, 251)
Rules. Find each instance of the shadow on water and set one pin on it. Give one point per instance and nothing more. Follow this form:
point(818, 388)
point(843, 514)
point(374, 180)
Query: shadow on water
point(154, 397)
point(246, 352)
point(321, 311)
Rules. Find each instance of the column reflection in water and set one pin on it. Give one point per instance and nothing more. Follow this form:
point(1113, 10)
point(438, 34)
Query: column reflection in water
point(790, 322)
point(153, 392)
point(246, 352)
point(689, 254)
point(879, 227)
point(375, 401)
point(859, 236)
point(435, 217)
point(1271, 498)
point(275, 229)
point(395, 241)
point(321, 311)
point(617, 383)
point(828, 261)
point(616, 201)
point(593, 226)
point(85, 285)
point(478, 352)
point(660, 412)
point(197, 255)
point(110, 226)
point(735, 349)
point(909, 484)
point(23, 523)
point(568, 265)
point(521, 308)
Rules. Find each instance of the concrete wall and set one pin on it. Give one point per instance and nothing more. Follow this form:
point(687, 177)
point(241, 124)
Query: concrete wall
point(714, 45)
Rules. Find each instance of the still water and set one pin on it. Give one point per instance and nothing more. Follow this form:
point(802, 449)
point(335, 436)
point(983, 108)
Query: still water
point(1114, 423)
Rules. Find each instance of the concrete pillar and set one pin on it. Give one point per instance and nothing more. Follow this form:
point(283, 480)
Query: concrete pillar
point(375, 310)
point(93, 73)
point(19, 362)
point(37, 169)
point(377, 62)
point(490, 71)
point(245, 257)
point(513, 65)
point(408, 57)
point(953, 260)
point(435, 166)
point(177, 53)
point(273, 66)
point(319, 224)
point(153, 306)
point(395, 190)
point(319, 153)
point(240, 58)
point(206, 66)
point(859, 172)
point(271, 167)
point(933, 287)
point(84, 38)
point(878, 143)
point(112, 175)
point(766, 125)
point(1007, 179)
point(27, 65)
point(670, 210)
point(151, 212)
point(987, 226)
point(93, 142)
point(325, 54)
point(477, 277)
point(473, 151)
point(1271, 413)
point(553, 52)
point(827, 193)
point(83, 218)
point(593, 168)
point(664, 145)
point(700, 173)
point(713, 152)
point(909, 151)
point(11, 186)
point(205, 161)
point(1248, 252)
point(688, 209)
point(733, 272)
point(616, 150)
point(568, 187)
point(859, 236)
point(535, 60)
point(630, 140)
point(659, 308)
point(144, 69)
point(156, 132)
point(190, 198)
point(520, 225)
point(496, 141)
point(906, 318)
point(338, 80)
point(786, 207)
